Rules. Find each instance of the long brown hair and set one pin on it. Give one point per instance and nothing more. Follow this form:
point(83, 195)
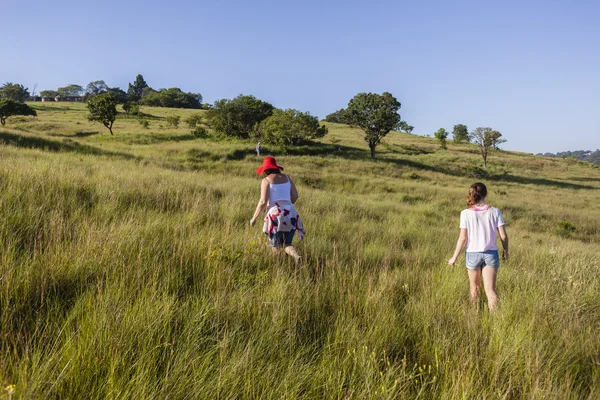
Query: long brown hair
point(477, 192)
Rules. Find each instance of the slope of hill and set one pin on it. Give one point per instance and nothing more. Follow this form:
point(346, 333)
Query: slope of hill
point(129, 269)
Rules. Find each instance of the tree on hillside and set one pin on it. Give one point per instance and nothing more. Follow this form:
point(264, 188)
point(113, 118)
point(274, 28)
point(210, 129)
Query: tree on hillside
point(8, 108)
point(289, 127)
point(14, 92)
point(95, 88)
point(173, 98)
point(339, 117)
point(70, 91)
point(441, 135)
point(51, 94)
point(496, 138)
point(375, 114)
point(118, 94)
point(403, 126)
point(238, 116)
point(460, 133)
point(103, 108)
point(135, 90)
point(486, 139)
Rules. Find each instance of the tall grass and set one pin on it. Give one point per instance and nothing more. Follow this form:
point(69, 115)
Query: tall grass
point(139, 277)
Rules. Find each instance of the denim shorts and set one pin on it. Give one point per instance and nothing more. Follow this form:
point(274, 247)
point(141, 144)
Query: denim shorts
point(489, 258)
point(281, 239)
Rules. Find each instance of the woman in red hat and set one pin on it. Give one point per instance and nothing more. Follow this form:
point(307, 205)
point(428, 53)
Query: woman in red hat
point(278, 195)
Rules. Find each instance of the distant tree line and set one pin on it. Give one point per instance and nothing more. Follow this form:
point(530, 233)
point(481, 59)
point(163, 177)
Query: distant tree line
point(582, 155)
point(138, 92)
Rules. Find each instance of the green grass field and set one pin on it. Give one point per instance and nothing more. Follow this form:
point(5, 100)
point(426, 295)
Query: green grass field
point(129, 269)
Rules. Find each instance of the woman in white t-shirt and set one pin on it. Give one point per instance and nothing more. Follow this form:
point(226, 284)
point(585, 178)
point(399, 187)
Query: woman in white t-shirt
point(478, 227)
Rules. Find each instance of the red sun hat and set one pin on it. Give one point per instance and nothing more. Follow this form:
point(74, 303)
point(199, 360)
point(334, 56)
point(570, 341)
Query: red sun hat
point(268, 163)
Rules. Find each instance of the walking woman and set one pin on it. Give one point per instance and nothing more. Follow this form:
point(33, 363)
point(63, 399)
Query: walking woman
point(479, 224)
point(278, 195)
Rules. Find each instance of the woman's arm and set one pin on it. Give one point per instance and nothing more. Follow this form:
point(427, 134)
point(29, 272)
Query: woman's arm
point(460, 244)
point(262, 203)
point(504, 240)
point(293, 191)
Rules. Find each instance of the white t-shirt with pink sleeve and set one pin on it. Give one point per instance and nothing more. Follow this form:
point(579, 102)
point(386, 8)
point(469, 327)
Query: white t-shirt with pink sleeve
point(481, 224)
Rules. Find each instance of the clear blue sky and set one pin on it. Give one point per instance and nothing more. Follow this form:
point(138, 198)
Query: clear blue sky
point(529, 69)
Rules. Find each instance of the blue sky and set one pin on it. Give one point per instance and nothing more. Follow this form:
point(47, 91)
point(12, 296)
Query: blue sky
point(528, 69)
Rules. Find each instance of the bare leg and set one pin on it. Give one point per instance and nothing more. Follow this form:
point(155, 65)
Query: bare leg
point(276, 250)
point(475, 283)
point(291, 250)
point(489, 284)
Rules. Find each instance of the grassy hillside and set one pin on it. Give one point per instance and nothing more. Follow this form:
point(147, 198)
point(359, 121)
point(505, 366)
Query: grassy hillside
point(129, 269)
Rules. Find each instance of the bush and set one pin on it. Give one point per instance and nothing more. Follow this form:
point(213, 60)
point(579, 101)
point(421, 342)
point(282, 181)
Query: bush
point(290, 128)
point(173, 120)
point(173, 97)
point(200, 132)
point(144, 122)
point(475, 172)
point(131, 107)
point(193, 120)
point(239, 116)
point(564, 229)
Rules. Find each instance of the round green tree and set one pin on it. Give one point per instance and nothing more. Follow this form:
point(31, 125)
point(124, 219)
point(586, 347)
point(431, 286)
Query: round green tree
point(290, 127)
point(103, 108)
point(9, 108)
point(376, 114)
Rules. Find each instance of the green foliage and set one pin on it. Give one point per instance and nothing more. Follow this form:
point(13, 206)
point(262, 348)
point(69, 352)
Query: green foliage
point(441, 135)
point(193, 120)
point(564, 229)
point(237, 117)
point(51, 94)
point(375, 114)
point(172, 98)
point(131, 107)
point(118, 94)
point(14, 92)
point(460, 133)
point(487, 139)
point(135, 90)
point(103, 108)
point(68, 91)
point(200, 132)
point(9, 108)
point(289, 127)
point(339, 117)
point(173, 120)
point(95, 88)
point(144, 122)
point(403, 126)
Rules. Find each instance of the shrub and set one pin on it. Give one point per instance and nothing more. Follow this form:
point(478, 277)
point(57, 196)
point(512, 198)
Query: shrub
point(200, 132)
point(144, 122)
point(173, 120)
point(131, 107)
point(239, 116)
point(564, 229)
point(193, 120)
point(290, 128)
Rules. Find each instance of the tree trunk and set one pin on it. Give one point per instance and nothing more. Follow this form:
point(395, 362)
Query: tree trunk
point(110, 128)
point(2, 121)
point(372, 147)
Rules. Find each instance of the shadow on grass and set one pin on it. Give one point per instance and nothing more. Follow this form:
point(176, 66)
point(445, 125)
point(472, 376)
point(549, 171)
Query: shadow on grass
point(354, 153)
point(32, 142)
point(77, 134)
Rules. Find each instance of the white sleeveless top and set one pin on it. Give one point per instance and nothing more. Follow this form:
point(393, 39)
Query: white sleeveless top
point(279, 193)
